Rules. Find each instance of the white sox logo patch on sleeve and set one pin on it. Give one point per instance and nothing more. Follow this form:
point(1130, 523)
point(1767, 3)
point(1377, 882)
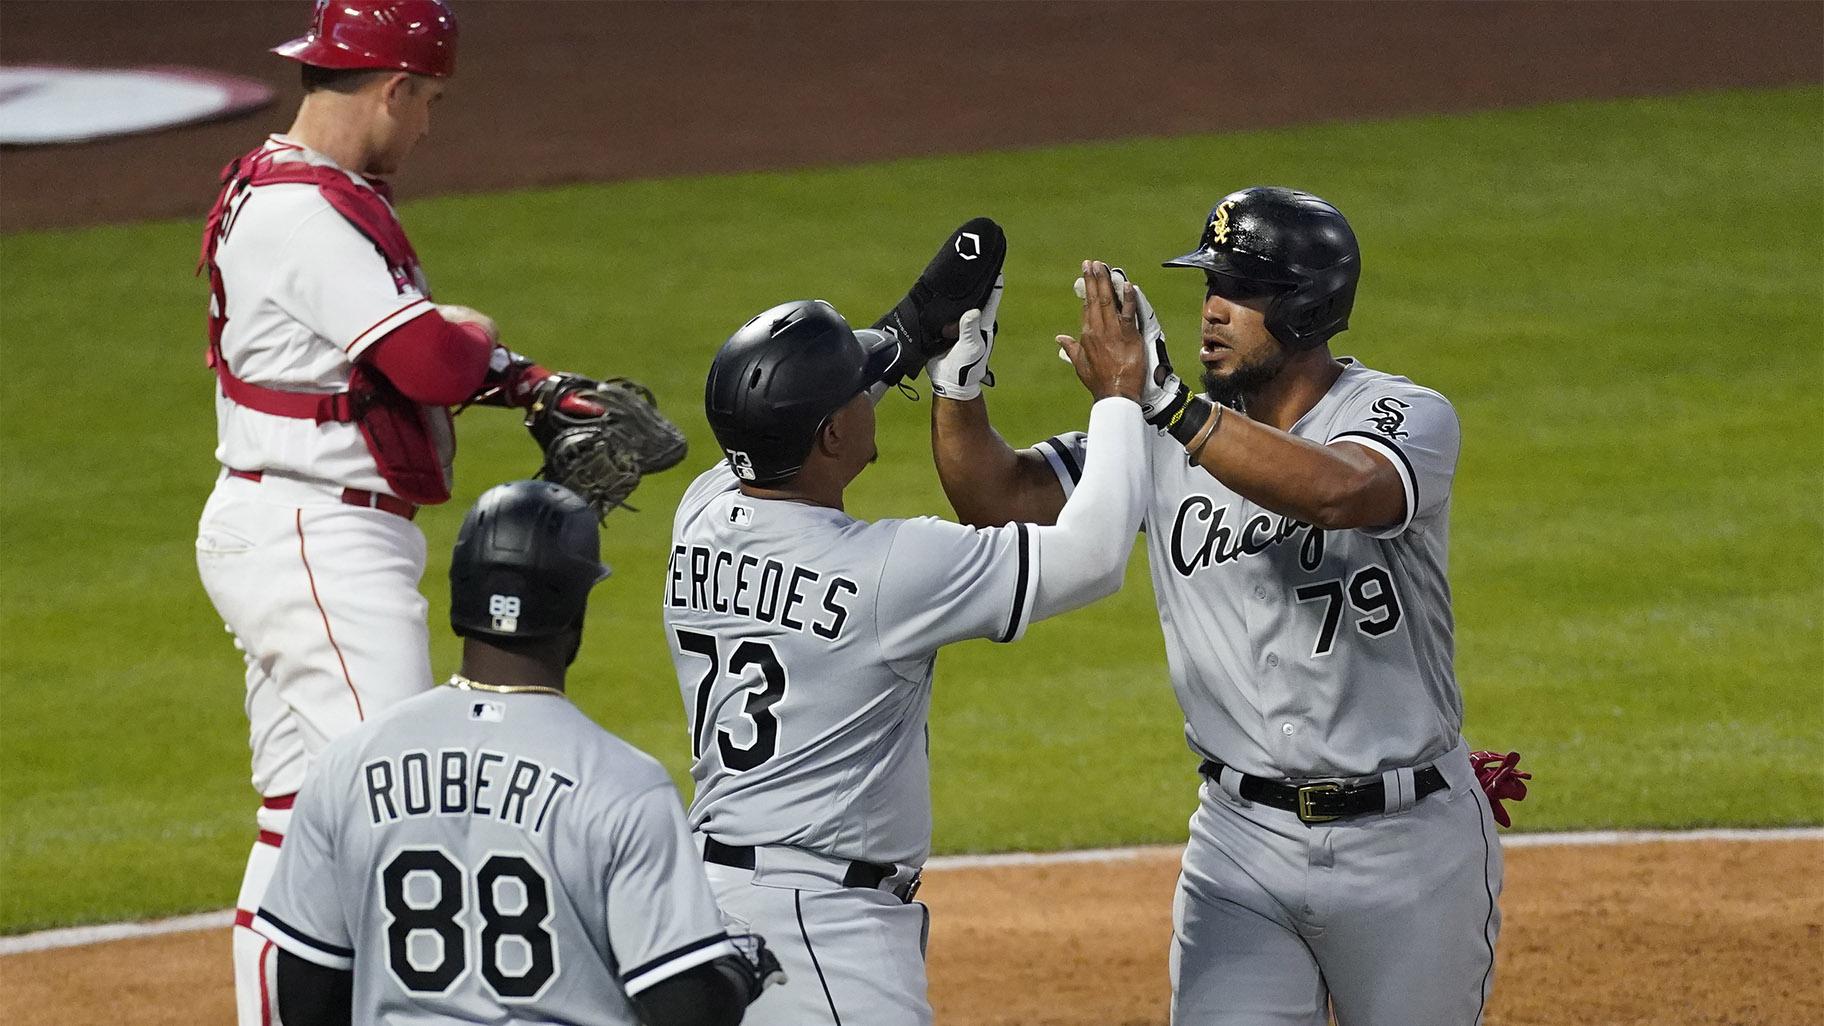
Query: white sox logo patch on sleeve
point(1391, 416)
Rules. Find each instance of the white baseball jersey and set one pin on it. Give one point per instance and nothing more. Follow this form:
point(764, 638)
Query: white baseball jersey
point(805, 641)
point(1297, 652)
point(472, 855)
point(307, 294)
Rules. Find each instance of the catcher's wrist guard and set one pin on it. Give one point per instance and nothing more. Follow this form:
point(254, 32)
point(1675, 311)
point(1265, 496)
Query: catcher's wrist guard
point(959, 278)
point(512, 380)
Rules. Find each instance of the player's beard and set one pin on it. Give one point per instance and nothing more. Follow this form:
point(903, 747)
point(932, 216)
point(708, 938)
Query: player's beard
point(1248, 376)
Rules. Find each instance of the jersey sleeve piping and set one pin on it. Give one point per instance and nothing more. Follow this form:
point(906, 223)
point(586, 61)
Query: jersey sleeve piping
point(1023, 586)
point(1409, 481)
point(675, 961)
point(385, 325)
point(302, 944)
point(1063, 464)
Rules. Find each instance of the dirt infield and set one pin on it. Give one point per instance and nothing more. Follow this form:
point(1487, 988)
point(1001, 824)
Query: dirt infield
point(567, 92)
point(1658, 934)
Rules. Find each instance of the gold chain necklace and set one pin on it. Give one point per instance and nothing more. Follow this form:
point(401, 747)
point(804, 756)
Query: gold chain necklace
point(457, 680)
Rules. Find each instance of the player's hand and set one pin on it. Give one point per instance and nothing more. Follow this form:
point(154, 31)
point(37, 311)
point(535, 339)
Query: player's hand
point(1108, 355)
point(465, 315)
point(757, 967)
point(960, 372)
point(1163, 390)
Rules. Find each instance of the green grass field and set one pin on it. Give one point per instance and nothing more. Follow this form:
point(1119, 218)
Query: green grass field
point(1625, 301)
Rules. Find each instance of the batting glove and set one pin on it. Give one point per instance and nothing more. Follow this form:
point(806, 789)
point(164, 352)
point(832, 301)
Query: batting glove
point(960, 372)
point(1163, 391)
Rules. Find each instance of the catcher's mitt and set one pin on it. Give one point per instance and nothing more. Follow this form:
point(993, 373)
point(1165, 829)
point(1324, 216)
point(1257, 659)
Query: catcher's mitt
point(601, 437)
point(960, 277)
point(1501, 780)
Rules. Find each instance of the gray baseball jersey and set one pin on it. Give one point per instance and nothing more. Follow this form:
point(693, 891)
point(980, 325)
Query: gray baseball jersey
point(804, 641)
point(1297, 652)
point(471, 854)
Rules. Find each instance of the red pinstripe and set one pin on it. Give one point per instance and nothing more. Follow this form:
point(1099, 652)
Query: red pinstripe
point(359, 714)
point(265, 994)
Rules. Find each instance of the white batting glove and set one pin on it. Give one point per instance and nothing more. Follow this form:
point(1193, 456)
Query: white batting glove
point(958, 374)
point(1163, 389)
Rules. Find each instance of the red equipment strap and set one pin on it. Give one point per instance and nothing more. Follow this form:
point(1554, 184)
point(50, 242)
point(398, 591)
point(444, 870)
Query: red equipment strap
point(366, 209)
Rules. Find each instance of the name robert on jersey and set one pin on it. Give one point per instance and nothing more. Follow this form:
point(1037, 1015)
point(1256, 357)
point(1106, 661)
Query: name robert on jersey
point(463, 784)
point(719, 581)
point(1220, 543)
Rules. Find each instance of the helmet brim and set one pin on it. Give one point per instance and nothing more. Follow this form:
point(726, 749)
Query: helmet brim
point(1202, 259)
point(1236, 264)
point(295, 49)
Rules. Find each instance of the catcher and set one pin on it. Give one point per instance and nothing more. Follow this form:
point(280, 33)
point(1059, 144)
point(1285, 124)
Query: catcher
point(335, 372)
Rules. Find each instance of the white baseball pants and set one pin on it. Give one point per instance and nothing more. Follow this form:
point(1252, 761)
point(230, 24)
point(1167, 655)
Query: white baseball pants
point(322, 599)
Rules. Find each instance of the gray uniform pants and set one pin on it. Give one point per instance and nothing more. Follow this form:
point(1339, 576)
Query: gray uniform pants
point(1389, 918)
point(852, 956)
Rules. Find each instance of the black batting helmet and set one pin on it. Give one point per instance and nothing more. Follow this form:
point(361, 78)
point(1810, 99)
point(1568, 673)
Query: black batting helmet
point(526, 556)
point(1265, 240)
point(776, 381)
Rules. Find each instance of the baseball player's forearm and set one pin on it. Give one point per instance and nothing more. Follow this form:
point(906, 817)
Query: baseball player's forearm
point(1083, 557)
point(704, 995)
point(1335, 487)
point(987, 481)
point(311, 995)
point(432, 360)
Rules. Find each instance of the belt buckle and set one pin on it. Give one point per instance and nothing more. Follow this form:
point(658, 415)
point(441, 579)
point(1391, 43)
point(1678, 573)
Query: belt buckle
point(1305, 791)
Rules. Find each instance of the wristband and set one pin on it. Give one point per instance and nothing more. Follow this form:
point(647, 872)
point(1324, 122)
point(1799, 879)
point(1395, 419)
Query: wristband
point(1196, 451)
point(1189, 419)
point(1170, 408)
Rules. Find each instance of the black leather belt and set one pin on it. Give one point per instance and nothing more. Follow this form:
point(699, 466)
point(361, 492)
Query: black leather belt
point(869, 875)
point(1325, 800)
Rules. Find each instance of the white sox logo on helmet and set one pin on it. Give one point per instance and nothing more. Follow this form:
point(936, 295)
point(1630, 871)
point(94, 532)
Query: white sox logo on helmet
point(1219, 225)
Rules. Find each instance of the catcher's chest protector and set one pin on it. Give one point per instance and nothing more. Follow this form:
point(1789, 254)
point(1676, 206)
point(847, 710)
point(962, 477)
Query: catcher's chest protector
point(413, 445)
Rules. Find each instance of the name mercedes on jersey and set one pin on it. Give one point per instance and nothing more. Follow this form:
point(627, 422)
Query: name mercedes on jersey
point(461, 782)
point(1202, 537)
point(796, 597)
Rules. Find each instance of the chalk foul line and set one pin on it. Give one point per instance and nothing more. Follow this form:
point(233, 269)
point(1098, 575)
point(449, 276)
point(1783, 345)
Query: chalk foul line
point(79, 936)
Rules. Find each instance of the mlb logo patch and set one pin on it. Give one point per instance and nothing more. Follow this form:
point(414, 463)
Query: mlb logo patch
point(487, 712)
point(741, 516)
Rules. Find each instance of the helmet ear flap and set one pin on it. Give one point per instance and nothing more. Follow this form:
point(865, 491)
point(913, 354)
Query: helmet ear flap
point(1316, 311)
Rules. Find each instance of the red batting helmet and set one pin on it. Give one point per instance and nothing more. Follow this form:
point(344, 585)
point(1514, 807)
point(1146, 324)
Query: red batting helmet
point(406, 35)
